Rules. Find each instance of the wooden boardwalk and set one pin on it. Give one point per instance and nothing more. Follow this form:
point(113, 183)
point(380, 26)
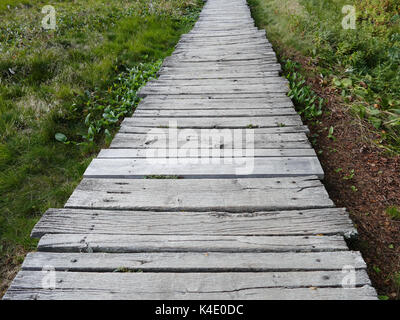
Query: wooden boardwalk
point(173, 211)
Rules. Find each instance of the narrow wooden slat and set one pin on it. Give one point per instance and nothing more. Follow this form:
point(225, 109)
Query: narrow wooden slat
point(194, 261)
point(164, 286)
point(132, 129)
point(223, 67)
point(190, 243)
point(182, 90)
point(218, 82)
point(214, 104)
point(216, 123)
point(328, 221)
point(141, 112)
point(179, 153)
point(216, 139)
point(187, 57)
point(233, 195)
point(225, 167)
point(183, 74)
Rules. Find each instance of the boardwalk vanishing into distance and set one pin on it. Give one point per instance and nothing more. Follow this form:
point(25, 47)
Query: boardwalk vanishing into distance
point(210, 190)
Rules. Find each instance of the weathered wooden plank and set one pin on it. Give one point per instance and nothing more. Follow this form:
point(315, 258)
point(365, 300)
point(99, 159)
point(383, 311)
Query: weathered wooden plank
point(265, 112)
point(142, 153)
point(218, 82)
point(224, 35)
point(165, 286)
point(215, 139)
point(257, 64)
point(220, 59)
point(238, 68)
point(130, 128)
point(249, 45)
point(327, 221)
point(220, 96)
point(193, 243)
point(194, 261)
point(184, 74)
point(265, 55)
point(257, 37)
point(231, 195)
point(214, 105)
point(221, 34)
point(264, 64)
point(205, 90)
point(234, 100)
point(216, 123)
point(195, 168)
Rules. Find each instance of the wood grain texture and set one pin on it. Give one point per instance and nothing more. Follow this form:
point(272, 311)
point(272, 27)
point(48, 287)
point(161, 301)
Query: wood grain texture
point(218, 139)
point(121, 243)
point(277, 285)
point(194, 261)
point(179, 153)
point(222, 167)
point(234, 195)
point(215, 123)
point(129, 127)
point(330, 221)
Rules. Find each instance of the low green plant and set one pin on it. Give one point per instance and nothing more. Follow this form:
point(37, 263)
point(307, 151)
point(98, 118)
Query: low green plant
point(350, 175)
point(307, 102)
point(393, 212)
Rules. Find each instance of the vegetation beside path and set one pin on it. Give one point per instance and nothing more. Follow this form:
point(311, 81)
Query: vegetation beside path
point(63, 93)
point(345, 84)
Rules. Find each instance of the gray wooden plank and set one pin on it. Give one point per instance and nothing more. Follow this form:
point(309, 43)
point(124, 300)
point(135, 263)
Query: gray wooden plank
point(265, 112)
point(194, 261)
point(220, 96)
point(204, 103)
point(231, 195)
point(216, 123)
point(253, 65)
point(182, 57)
point(218, 82)
point(131, 128)
point(183, 74)
point(262, 64)
point(195, 168)
point(164, 286)
point(251, 34)
point(221, 33)
point(187, 243)
point(211, 106)
point(210, 139)
point(179, 153)
point(249, 45)
point(205, 90)
point(308, 222)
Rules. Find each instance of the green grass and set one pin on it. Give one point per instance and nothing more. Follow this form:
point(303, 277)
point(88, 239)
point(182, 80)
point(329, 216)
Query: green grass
point(362, 64)
point(63, 93)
